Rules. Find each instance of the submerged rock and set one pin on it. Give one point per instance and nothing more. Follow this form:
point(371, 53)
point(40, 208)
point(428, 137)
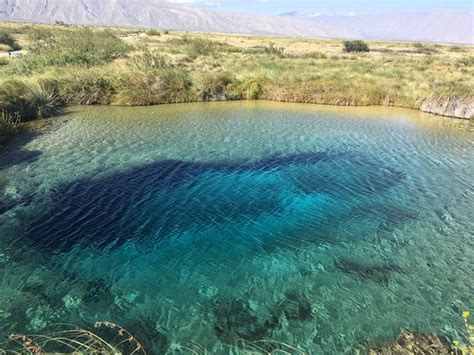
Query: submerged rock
point(295, 307)
point(97, 291)
point(413, 343)
point(377, 273)
point(234, 320)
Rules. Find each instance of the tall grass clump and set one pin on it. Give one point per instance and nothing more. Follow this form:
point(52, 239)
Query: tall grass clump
point(141, 88)
point(355, 46)
point(30, 99)
point(8, 40)
point(8, 127)
point(87, 87)
point(149, 60)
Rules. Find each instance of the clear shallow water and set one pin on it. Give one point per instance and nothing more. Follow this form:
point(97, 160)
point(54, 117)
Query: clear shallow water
point(324, 228)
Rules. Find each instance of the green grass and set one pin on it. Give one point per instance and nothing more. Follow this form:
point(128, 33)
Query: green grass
point(79, 65)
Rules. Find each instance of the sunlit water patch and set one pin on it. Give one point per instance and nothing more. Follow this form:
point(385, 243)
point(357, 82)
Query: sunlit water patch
point(214, 225)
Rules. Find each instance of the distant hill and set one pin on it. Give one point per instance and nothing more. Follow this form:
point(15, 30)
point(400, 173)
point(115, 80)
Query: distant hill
point(160, 14)
point(432, 26)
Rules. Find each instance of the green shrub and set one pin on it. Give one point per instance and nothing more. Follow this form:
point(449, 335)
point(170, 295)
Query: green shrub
point(153, 33)
point(201, 47)
point(141, 88)
point(7, 39)
point(270, 49)
point(424, 49)
point(355, 46)
point(251, 89)
point(88, 87)
point(215, 86)
point(465, 62)
point(66, 47)
point(30, 100)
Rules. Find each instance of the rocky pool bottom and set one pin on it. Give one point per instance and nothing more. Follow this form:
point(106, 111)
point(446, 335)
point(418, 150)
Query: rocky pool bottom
point(234, 226)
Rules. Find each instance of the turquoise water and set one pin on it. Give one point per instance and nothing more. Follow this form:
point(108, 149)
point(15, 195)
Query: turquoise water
point(216, 226)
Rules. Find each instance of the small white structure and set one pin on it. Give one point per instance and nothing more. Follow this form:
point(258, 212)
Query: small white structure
point(15, 54)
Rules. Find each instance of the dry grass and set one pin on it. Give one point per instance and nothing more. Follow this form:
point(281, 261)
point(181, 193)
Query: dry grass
point(282, 69)
point(107, 338)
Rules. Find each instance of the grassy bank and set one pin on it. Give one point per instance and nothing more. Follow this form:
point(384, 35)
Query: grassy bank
point(76, 65)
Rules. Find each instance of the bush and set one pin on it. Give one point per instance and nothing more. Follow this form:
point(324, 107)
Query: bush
point(30, 100)
point(7, 39)
point(201, 47)
point(215, 86)
point(84, 47)
point(270, 49)
point(153, 33)
point(251, 89)
point(150, 60)
point(154, 87)
point(423, 49)
point(89, 87)
point(355, 46)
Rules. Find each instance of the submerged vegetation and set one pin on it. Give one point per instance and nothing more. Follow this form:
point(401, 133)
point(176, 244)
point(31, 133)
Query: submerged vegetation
point(64, 65)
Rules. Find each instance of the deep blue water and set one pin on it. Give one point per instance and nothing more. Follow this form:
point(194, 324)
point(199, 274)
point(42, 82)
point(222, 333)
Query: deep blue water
point(202, 225)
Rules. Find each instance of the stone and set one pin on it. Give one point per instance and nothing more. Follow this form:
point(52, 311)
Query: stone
point(450, 105)
point(413, 343)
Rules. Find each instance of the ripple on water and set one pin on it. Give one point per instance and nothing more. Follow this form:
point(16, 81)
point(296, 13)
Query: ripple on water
point(244, 224)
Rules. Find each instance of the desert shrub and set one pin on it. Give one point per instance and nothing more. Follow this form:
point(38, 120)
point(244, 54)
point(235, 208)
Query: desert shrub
point(457, 49)
point(153, 33)
point(314, 55)
point(355, 46)
point(464, 62)
point(424, 49)
point(30, 100)
point(270, 49)
point(8, 40)
point(140, 88)
point(201, 47)
point(87, 87)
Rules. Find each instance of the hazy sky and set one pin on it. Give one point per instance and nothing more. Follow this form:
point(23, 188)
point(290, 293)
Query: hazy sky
point(338, 6)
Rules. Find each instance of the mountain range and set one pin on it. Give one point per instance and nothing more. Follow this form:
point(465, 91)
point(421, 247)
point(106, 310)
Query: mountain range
point(429, 26)
point(452, 26)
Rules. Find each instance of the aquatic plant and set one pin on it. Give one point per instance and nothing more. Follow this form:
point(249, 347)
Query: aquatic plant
point(107, 338)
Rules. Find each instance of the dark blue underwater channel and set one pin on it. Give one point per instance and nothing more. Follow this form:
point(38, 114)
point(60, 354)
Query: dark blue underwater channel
point(163, 199)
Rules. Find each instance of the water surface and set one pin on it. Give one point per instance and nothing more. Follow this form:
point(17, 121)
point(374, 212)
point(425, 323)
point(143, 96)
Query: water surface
point(201, 224)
